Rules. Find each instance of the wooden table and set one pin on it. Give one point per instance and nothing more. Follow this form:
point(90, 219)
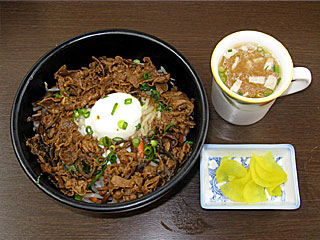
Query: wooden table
point(30, 29)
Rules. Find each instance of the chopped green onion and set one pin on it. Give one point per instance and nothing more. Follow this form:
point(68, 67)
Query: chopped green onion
point(76, 114)
point(266, 94)
point(105, 96)
point(156, 95)
point(71, 167)
point(136, 142)
point(137, 61)
point(167, 128)
point(169, 107)
point(87, 114)
point(112, 157)
point(112, 148)
point(115, 106)
point(147, 150)
point(260, 49)
point(238, 55)
point(145, 87)
point(189, 142)
point(103, 163)
point(277, 68)
point(89, 130)
point(97, 176)
point(138, 126)
point(150, 156)
point(117, 139)
point(266, 68)
point(160, 107)
point(58, 95)
point(85, 168)
point(221, 69)
point(240, 93)
point(122, 124)
point(105, 141)
point(78, 197)
point(38, 179)
point(80, 110)
point(278, 81)
point(153, 143)
point(222, 74)
point(66, 91)
point(149, 138)
point(274, 68)
point(229, 50)
point(146, 76)
point(128, 101)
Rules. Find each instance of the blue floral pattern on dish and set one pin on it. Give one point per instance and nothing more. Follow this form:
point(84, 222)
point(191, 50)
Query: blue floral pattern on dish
point(214, 187)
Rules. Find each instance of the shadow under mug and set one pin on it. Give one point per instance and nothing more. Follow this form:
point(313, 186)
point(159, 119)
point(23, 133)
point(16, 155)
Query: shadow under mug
point(241, 110)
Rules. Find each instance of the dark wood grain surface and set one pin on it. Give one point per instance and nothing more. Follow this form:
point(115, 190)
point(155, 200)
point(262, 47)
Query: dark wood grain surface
point(30, 29)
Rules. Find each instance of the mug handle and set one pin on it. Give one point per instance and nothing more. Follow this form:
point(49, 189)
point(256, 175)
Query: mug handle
point(300, 81)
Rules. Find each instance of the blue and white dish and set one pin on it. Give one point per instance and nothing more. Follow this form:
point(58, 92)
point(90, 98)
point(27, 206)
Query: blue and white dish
point(210, 193)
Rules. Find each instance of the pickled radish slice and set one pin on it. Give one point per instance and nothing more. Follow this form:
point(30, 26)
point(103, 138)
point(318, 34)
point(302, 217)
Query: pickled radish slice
point(229, 170)
point(253, 193)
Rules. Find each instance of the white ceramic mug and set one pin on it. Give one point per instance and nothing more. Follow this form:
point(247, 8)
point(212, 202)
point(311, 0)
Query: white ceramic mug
point(242, 110)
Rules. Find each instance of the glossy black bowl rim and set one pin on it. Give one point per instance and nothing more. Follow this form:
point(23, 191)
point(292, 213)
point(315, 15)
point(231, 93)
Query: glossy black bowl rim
point(125, 206)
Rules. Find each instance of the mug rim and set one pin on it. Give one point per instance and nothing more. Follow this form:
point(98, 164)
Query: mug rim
point(237, 96)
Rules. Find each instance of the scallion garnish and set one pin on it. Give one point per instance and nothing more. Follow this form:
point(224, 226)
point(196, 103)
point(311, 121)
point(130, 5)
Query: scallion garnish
point(89, 130)
point(153, 143)
point(76, 114)
point(156, 95)
point(38, 179)
point(117, 139)
point(146, 76)
point(105, 96)
point(115, 106)
point(278, 81)
point(221, 69)
point(66, 91)
point(58, 95)
point(98, 162)
point(112, 157)
point(72, 167)
point(138, 126)
point(229, 50)
point(147, 150)
point(122, 124)
point(87, 114)
point(137, 61)
point(128, 101)
point(145, 87)
point(260, 49)
point(112, 148)
point(105, 141)
point(266, 68)
point(189, 142)
point(97, 176)
point(167, 128)
point(136, 142)
point(78, 197)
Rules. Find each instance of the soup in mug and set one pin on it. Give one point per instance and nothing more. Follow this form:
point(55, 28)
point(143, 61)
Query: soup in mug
point(250, 71)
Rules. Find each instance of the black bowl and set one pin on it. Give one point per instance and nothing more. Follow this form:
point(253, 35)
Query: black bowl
point(76, 53)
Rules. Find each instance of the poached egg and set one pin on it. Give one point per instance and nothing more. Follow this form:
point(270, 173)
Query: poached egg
point(115, 115)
